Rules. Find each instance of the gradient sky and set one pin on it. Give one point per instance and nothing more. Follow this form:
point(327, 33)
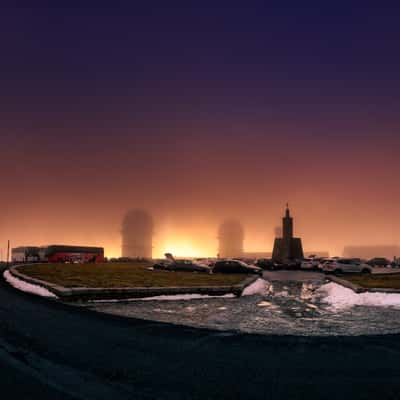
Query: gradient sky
point(200, 111)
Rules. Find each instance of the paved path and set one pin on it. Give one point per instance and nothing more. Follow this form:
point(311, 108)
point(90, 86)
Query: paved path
point(52, 351)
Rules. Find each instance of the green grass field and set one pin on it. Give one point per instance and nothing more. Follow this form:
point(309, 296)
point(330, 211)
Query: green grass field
point(383, 281)
point(112, 275)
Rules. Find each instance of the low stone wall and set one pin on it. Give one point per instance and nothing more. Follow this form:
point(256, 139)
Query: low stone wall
point(84, 293)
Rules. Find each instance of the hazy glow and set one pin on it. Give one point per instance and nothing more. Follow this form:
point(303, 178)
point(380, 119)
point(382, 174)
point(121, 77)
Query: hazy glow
point(112, 251)
point(181, 249)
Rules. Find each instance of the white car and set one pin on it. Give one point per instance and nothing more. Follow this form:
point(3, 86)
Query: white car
point(311, 264)
point(345, 265)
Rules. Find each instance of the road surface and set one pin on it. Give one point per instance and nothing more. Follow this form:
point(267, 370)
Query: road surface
point(52, 351)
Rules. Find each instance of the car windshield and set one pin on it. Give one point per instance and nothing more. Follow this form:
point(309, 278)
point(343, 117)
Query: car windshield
point(242, 263)
point(200, 263)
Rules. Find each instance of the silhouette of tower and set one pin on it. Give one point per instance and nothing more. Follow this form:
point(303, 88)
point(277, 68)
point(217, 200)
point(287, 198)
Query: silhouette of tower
point(137, 234)
point(231, 237)
point(287, 225)
point(287, 247)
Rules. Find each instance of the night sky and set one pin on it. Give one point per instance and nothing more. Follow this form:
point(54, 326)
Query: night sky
point(197, 112)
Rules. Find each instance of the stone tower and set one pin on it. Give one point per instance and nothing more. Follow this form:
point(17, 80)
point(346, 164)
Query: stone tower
point(287, 247)
point(137, 235)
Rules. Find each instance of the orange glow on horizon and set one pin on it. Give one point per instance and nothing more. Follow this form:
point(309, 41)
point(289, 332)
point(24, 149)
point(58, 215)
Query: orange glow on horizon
point(181, 248)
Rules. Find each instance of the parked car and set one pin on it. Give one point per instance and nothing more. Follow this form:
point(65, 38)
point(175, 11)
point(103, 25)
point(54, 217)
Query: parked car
point(379, 262)
point(346, 265)
point(205, 261)
point(395, 264)
point(311, 264)
point(326, 260)
point(267, 263)
point(291, 264)
point(170, 264)
point(235, 267)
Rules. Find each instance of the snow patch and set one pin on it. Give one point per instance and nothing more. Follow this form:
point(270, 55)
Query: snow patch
point(257, 287)
point(27, 287)
point(166, 298)
point(341, 298)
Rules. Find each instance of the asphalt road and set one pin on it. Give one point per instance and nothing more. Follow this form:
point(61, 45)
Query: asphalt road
point(53, 351)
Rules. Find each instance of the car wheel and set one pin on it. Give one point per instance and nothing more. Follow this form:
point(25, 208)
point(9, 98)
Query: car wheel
point(338, 272)
point(365, 271)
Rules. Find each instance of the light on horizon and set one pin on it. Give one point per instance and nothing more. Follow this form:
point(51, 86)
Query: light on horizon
point(183, 249)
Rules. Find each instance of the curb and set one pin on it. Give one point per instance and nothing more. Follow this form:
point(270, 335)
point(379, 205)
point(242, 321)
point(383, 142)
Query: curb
point(84, 293)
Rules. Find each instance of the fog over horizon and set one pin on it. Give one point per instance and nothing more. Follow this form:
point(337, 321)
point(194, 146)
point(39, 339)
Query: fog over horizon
point(77, 189)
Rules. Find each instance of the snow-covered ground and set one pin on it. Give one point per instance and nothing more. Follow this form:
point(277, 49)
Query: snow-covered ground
point(165, 298)
point(257, 287)
point(27, 287)
point(340, 297)
point(303, 306)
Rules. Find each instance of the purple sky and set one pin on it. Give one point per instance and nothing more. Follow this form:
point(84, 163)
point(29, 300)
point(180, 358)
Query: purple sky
point(199, 113)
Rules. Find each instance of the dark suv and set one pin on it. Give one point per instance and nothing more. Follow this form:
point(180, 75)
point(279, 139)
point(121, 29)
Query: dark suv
point(378, 262)
point(267, 263)
point(235, 267)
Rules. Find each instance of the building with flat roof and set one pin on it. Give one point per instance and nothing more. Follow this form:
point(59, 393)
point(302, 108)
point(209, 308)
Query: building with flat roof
point(25, 254)
point(57, 253)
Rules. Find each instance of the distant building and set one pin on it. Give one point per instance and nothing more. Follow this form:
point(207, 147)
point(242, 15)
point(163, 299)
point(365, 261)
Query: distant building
point(137, 235)
point(368, 252)
point(287, 247)
point(26, 254)
point(231, 238)
point(57, 253)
